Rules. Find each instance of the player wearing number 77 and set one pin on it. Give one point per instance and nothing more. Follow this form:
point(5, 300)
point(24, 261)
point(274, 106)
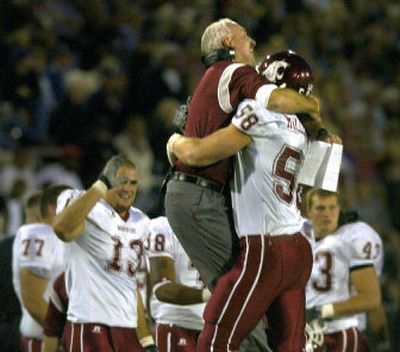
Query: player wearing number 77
point(37, 261)
point(270, 275)
point(104, 236)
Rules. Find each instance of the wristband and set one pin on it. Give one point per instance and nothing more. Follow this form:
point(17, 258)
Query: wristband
point(327, 311)
point(100, 186)
point(205, 294)
point(147, 341)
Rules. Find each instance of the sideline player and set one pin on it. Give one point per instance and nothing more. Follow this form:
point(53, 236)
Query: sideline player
point(340, 264)
point(37, 261)
point(369, 244)
point(275, 261)
point(104, 236)
point(179, 294)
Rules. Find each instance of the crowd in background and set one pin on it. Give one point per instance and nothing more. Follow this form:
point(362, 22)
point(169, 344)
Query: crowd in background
point(81, 80)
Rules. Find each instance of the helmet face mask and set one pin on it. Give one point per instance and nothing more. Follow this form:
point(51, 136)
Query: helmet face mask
point(287, 69)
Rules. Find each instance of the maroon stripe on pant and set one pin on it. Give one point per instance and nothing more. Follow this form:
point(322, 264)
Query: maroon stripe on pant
point(270, 275)
point(91, 337)
point(172, 338)
point(29, 344)
point(233, 298)
point(349, 340)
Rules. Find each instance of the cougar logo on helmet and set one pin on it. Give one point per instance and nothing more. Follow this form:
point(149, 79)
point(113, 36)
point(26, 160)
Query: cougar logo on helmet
point(275, 70)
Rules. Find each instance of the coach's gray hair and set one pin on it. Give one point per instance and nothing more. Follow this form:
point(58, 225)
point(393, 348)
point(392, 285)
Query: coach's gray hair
point(214, 34)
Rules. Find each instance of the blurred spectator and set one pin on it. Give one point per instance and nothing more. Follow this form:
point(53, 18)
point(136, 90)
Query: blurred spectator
point(134, 143)
point(21, 167)
point(70, 123)
point(160, 130)
point(63, 170)
point(108, 106)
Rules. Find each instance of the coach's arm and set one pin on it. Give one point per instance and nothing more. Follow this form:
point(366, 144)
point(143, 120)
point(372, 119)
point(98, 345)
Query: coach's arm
point(217, 146)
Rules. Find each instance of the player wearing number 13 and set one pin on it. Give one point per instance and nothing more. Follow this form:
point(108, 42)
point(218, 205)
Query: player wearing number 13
point(104, 236)
point(270, 275)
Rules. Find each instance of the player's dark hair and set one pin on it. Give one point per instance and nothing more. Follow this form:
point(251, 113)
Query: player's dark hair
point(49, 197)
point(33, 200)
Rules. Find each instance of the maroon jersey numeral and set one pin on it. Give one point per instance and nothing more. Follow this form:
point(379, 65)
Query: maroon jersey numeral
point(368, 250)
point(159, 242)
point(115, 264)
point(250, 117)
point(284, 178)
point(38, 246)
point(325, 284)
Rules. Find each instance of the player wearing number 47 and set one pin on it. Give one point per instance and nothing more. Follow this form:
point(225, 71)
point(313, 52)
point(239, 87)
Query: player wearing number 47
point(270, 275)
point(343, 281)
point(104, 236)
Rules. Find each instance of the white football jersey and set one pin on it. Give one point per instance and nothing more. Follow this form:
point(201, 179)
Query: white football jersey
point(163, 243)
point(330, 277)
point(37, 248)
point(368, 244)
point(264, 196)
point(102, 264)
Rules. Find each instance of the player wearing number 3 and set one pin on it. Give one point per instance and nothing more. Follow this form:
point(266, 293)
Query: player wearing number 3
point(104, 236)
point(270, 275)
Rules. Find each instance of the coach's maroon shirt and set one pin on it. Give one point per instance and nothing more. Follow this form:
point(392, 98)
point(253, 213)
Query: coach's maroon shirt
point(222, 88)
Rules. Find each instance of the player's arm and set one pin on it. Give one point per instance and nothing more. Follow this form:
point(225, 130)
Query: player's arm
point(56, 316)
point(288, 101)
point(378, 330)
point(143, 331)
point(366, 298)
point(69, 224)
point(217, 146)
point(50, 344)
point(162, 274)
point(32, 290)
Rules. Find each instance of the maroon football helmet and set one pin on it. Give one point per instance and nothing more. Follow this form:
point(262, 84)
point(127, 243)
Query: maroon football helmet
point(288, 70)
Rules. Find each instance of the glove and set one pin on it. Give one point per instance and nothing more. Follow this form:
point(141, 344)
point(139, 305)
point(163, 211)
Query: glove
point(107, 178)
point(315, 335)
point(170, 153)
point(180, 116)
point(313, 314)
point(151, 348)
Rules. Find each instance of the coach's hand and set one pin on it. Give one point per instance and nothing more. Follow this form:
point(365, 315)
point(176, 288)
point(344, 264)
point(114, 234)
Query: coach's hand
point(170, 148)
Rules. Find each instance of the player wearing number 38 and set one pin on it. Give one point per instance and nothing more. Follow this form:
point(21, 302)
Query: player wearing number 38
point(104, 236)
point(271, 272)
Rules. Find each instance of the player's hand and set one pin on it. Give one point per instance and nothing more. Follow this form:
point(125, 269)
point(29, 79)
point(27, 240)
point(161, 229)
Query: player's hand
point(170, 150)
point(109, 175)
point(330, 138)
